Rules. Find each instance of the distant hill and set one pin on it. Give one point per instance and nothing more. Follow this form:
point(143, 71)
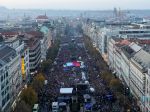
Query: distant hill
point(3, 8)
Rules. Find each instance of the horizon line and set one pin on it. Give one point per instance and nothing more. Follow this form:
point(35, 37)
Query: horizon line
point(71, 9)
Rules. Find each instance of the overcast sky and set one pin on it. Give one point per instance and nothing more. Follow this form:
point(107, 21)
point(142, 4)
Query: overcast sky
point(76, 4)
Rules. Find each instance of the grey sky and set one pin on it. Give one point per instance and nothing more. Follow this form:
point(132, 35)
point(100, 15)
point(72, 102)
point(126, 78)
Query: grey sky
point(76, 4)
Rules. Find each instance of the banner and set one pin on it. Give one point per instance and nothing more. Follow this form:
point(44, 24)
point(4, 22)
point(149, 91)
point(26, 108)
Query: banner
point(23, 67)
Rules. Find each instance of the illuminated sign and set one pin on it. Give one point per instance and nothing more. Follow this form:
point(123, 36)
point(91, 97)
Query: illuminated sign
point(23, 68)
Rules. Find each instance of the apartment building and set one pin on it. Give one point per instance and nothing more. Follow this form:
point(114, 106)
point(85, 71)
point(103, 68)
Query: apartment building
point(128, 48)
point(147, 92)
point(44, 38)
point(41, 18)
point(15, 42)
point(34, 46)
point(130, 62)
point(99, 36)
point(11, 77)
point(119, 54)
point(139, 65)
point(46, 41)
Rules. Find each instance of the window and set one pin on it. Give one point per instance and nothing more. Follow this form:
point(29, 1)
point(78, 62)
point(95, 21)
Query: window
point(2, 86)
point(6, 82)
point(5, 91)
point(2, 94)
point(6, 74)
point(1, 71)
point(8, 97)
point(2, 78)
point(7, 88)
point(3, 102)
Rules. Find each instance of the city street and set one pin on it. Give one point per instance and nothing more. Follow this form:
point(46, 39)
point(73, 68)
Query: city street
point(72, 50)
point(74, 56)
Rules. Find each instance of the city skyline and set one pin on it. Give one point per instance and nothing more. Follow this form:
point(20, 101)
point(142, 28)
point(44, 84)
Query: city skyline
point(75, 4)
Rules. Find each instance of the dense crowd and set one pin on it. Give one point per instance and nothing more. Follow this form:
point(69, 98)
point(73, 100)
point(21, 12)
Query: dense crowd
point(58, 77)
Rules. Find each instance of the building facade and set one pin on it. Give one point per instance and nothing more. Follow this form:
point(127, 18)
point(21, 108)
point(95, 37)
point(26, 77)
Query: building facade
point(139, 65)
point(34, 46)
point(11, 77)
point(130, 62)
point(16, 43)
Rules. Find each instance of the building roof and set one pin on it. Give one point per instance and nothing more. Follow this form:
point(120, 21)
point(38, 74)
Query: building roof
point(143, 58)
point(135, 47)
point(44, 29)
point(142, 44)
point(122, 42)
point(31, 39)
point(6, 54)
point(125, 42)
point(42, 17)
point(144, 41)
point(9, 33)
point(35, 33)
point(128, 51)
point(31, 42)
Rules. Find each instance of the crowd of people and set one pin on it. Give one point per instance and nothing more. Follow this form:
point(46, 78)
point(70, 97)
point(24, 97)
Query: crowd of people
point(60, 76)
